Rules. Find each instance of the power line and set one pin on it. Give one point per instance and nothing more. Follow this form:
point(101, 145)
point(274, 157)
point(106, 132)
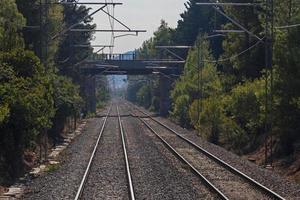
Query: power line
point(288, 26)
point(237, 55)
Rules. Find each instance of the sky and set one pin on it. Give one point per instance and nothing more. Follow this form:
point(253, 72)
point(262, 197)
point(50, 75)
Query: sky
point(136, 14)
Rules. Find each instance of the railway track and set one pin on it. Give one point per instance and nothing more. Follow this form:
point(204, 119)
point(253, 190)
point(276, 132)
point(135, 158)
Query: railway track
point(87, 174)
point(131, 191)
point(220, 177)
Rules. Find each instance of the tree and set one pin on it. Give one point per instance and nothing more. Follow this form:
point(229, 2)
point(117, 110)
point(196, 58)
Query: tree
point(251, 63)
point(144, 92)
point(68, 56)
point(287, 60)
point(47, 16)
point(196, 19)
point(11, 25)
point(27, 104)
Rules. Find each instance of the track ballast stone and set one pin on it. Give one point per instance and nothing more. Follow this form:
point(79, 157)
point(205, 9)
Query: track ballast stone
point(107, 178)
point(266, 177)
point(157, 173)
point(64, 182)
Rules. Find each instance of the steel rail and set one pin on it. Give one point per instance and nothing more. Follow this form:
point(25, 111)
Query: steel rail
point(206, 181)
point(87, 171)
point(131, 190)
point(215, 158)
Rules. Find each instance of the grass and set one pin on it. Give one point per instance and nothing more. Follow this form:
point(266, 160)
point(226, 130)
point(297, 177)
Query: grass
point(52, 168)
point(90, 115)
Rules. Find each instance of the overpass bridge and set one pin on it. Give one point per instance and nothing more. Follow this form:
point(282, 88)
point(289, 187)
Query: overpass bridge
point(130, 64)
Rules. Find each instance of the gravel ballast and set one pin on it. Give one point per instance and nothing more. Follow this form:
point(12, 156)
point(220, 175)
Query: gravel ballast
point(266, 177)
point(228, 183)
point(64, 182)
point(156, 173)
point(107, 178)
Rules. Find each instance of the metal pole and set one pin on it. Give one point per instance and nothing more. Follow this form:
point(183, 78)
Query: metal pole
point(46, 33)
point(269, 31)
point(40, 31)
point(201, 72)
point(272, 78)
point(198, 73)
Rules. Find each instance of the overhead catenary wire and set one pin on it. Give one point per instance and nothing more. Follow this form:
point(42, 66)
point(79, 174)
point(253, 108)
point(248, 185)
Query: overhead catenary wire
point(236, 55)
point(288, 26)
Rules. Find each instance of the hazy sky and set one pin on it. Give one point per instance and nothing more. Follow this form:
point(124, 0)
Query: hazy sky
point(137, 14)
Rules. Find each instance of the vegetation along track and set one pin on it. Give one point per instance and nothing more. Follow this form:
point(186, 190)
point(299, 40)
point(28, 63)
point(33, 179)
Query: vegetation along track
point(219, 176)
point(83, 185)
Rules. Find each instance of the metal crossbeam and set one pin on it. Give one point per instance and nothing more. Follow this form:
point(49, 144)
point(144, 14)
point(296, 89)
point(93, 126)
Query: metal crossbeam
point(228, 4)
point(87, 45)
point(236, 23)
point(228, 31)
point(98, 30)
point(173, 47)
point(166, 61)
point(85, 3)
point(213, 36)
point(72, 26)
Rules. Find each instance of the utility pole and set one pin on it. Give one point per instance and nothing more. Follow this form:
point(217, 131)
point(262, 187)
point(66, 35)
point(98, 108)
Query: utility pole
point(198, 85)
point(269, 39)
point(44, 22)
point(44, 31)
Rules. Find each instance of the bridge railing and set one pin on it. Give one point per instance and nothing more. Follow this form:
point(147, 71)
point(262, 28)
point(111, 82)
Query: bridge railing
point(131, 56)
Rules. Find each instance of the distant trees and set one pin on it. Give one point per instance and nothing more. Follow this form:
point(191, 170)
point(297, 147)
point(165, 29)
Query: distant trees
point(11, 23)
point(144, 89)
point(233, 115)
point(232, 76)
point(39, 86)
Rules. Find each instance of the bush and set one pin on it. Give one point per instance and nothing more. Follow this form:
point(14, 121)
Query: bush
point(181, 110)
point(144, 96)
point(211, 117)
point(26, 106)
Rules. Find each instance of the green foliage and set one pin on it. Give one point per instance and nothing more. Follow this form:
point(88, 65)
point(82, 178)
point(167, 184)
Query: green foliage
point(287, 59)
point(244, 110)
point(23, 63)
point(52, 168)
point(251, 63)
point(180, 109)
point(144, 96)
point(233, 99)
point(235, 120)
point(145, 92)
point(11, 24)
point(162, 36)
point(34, 99)
point(245, 104)
point(68, 57)
point(187, 88)
point(196, 19)
point(102, 93)
point(28, 92)
point(50, 18)
point(211, 116)
point(230, 114)
point(26, 106)
point(66, 96)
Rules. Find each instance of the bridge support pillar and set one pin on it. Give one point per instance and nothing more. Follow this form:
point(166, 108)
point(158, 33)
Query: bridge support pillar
point(164, 90)
point(90, 94)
